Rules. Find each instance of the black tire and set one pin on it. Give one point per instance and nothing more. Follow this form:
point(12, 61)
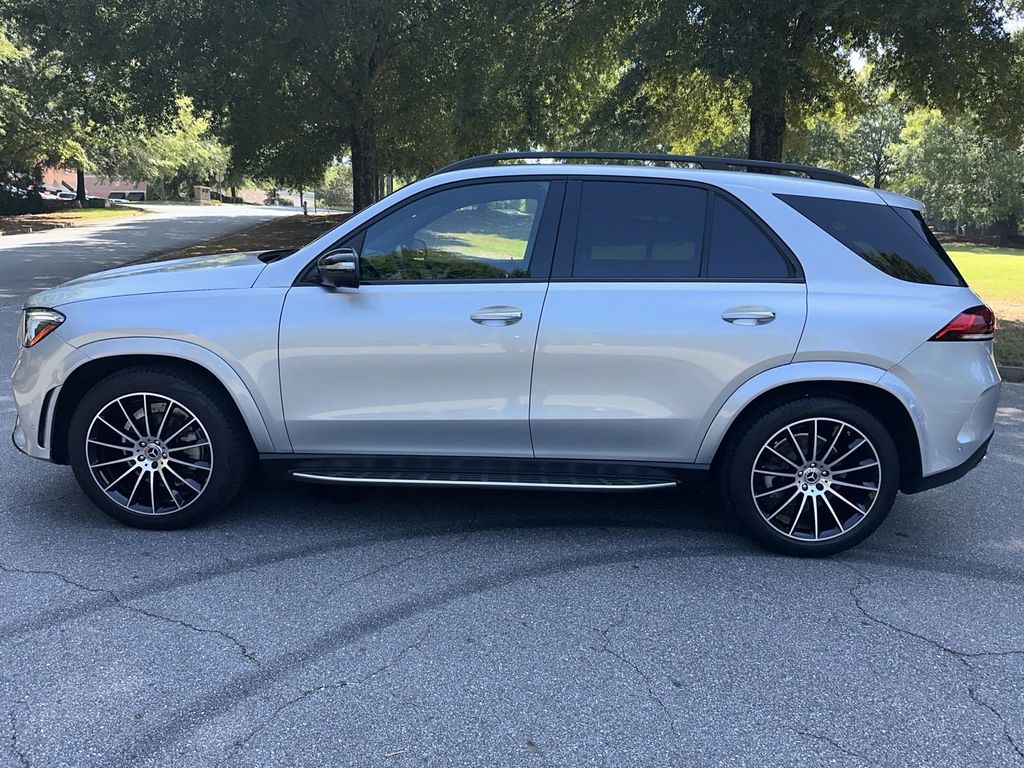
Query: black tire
point(230, 448)
point(769, 523)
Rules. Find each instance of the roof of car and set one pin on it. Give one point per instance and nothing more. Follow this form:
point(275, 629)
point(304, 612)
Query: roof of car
point(729, 180)
point(724, 172)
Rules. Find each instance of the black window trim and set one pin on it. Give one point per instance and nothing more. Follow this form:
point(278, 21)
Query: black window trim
point(547, 232)
point(565, 248)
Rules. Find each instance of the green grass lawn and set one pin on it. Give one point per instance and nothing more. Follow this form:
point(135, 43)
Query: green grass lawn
point(73, 217)
point(78, 215)
point(486, 246)
point(83, 215)
point(997, 275)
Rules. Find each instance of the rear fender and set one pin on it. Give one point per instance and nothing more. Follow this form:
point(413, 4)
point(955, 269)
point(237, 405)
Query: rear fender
point(811, 372)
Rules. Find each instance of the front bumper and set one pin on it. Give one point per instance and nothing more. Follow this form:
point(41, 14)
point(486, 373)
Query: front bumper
point(36, 381)
point(18, 436)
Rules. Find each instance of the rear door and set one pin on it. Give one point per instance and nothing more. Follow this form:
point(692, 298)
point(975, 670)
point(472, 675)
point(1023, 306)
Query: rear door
point(665, 297)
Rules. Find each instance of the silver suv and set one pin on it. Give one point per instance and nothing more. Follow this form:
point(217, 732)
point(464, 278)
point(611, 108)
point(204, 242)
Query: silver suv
point(598, 325)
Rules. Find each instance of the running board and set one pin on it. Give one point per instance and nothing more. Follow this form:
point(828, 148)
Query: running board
point(484, 480)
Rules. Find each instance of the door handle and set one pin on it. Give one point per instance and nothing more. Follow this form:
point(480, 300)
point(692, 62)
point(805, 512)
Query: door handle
point(497, 316)
point(748, 315)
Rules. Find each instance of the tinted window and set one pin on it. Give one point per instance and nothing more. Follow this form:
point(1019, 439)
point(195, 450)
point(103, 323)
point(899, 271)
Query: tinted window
point(740, 249)
point(639, 230)
point(887, 237)
point(474, 232)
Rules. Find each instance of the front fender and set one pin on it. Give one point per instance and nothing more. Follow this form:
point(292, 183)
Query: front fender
point(795, 373)
point(263, 438)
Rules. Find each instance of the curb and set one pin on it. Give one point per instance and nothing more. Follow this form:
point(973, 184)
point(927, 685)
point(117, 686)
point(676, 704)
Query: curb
point(27, 229)
point(1012, 373)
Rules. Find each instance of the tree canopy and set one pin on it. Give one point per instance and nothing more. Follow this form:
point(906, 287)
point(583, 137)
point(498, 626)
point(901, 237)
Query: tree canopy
point(403, 86)
point(791, 58)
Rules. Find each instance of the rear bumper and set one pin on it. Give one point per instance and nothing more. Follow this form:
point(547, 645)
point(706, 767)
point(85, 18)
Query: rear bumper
point(949, 475)
point(951, 391)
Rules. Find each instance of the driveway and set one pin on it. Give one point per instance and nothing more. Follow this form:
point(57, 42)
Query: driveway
point(305, 627)
point(29, 263)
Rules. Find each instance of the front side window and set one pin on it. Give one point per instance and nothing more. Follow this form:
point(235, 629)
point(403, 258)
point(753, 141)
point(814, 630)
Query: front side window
point(894, 240)
point(638, 230)
point(473, 232)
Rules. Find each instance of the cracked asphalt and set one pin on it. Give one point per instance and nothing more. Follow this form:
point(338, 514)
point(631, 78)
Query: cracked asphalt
point(307, 627)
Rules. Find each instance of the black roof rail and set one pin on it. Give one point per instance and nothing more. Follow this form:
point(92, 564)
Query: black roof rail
point(709, 163)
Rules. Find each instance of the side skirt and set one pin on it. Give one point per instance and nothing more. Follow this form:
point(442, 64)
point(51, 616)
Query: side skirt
point(474, 471)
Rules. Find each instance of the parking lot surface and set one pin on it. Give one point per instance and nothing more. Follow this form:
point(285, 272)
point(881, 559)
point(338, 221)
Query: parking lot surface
point(307, 627)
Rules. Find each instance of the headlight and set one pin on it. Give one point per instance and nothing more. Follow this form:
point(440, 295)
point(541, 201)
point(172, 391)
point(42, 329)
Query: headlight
point(37, 324)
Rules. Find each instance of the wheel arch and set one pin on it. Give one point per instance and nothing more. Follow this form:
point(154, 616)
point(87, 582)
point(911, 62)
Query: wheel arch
point(857, 383)
point(105, 359)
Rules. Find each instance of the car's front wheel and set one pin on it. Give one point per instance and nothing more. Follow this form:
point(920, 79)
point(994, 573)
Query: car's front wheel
point(813, 476)
point(154, 449)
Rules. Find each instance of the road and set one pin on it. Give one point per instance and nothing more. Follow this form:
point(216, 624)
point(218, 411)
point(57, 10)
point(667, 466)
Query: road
point(482, 628)
point(29, 263)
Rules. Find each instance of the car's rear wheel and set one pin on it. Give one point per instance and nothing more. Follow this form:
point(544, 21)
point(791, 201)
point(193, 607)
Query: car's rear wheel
point(155, 450)
point(811, 477)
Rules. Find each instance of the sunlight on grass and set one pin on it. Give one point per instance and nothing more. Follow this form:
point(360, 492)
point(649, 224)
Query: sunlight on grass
point(486, 246)
point(997, 275)
point(85, 214)
point(72, 216)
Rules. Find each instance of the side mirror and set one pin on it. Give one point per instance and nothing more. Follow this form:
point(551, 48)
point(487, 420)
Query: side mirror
point(339, 268)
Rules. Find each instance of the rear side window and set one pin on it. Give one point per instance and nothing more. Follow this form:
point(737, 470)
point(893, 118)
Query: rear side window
point(639, 230)
point(894, 240)
point(740, 250)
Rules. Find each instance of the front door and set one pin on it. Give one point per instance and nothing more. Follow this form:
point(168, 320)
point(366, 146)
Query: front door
point(433, 353)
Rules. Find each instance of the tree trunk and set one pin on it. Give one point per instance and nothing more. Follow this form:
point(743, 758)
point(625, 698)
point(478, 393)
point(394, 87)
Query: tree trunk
point(80, 186)
point(364, 162)
point(767, 104)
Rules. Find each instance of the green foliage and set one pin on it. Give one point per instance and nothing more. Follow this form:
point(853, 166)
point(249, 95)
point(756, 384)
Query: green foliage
point(685, 112)
point(962, 175)
point(335, 190)
point(37, 115)
point(182, 152)
point(404, 86)
point(790, 59)
point(860, 139)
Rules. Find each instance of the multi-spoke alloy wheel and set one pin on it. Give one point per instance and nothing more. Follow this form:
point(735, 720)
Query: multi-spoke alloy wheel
point(157, 447)
point(149, 453)
point(811, 476)
point(816, 478)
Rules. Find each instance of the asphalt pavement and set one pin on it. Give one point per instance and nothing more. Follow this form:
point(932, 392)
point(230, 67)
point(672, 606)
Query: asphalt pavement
point(29, 263)
point(305, 627)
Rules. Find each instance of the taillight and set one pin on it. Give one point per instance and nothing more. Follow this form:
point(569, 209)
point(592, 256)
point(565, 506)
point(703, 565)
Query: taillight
point(974, 324)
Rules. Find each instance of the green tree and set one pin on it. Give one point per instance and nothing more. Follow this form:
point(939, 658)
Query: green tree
point(37, 120)
point(402, 86)
point(335, 190)
point(792, 57)
point(182, 152)
point(861, 138)
point(682, 112)
point(962, 175)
